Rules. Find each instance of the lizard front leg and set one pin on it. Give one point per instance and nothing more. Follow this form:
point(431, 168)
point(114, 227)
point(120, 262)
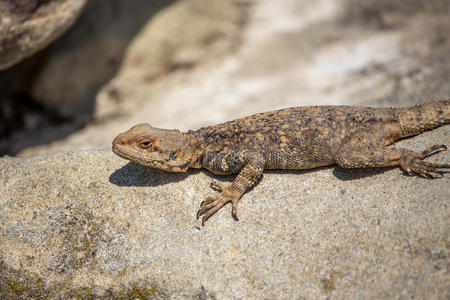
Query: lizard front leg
point(250, 167)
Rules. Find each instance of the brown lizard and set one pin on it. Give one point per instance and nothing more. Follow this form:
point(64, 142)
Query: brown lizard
point(295, 138)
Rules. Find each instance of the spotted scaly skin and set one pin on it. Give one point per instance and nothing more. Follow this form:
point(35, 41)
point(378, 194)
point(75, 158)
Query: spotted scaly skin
point(295, 138)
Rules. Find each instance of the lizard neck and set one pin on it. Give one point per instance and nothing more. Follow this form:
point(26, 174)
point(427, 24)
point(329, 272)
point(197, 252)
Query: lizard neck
point(196, 148)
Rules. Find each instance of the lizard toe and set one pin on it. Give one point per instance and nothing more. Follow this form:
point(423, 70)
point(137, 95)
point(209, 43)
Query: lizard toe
point(234, 203)
point(207, 201)
point(433, 150)
point(210, 209)
point(216, 186)
point(413, 164)
point(206, 205)
point(213, 203)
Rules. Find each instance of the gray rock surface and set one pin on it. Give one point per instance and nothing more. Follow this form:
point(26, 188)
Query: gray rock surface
point(27, 26)
point(88, 224)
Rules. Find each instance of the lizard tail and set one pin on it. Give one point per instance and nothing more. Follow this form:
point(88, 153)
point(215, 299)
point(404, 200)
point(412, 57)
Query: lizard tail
point(420, 118)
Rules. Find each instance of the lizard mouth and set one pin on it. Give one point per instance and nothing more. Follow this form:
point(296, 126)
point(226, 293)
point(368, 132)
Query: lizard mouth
point(117, 151)
point(151, 163)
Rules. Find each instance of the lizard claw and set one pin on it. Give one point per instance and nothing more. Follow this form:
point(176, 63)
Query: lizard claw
point(213, 203)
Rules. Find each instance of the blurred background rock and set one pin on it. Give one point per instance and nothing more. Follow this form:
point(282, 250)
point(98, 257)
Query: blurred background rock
point(75, 73)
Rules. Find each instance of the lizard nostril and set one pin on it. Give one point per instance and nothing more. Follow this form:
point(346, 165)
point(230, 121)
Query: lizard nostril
point(119, 142)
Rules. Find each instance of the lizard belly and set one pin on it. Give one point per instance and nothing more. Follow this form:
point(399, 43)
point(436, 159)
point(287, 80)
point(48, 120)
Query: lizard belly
point(297, 160)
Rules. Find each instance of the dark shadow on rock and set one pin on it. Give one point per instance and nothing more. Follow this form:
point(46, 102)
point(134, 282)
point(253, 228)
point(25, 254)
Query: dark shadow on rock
point(354, 174)
point(339, 172)
point(52, 94)
point(133, 174)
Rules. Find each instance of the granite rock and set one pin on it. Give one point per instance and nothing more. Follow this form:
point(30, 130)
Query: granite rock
point(88, 224)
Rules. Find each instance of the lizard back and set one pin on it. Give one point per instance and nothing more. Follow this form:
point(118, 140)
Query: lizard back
point(292, 138)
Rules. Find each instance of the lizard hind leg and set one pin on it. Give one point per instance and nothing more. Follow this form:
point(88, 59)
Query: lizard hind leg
point(367, 148)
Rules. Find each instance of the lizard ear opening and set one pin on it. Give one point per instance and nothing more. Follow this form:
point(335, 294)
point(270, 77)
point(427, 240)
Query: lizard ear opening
point(173, 155)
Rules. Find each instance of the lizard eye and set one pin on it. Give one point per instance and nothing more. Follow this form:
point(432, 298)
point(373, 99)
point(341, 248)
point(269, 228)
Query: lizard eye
point(145, 144)
point(173, 156)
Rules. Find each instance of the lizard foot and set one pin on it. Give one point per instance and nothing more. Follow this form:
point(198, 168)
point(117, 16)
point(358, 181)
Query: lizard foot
point(413, 163)
point(213, 203)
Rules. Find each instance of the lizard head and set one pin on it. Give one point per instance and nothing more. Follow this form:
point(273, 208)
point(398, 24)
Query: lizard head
point(157, 148)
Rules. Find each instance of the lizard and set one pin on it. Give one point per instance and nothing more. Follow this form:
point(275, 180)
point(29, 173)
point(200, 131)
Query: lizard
point(295, 138)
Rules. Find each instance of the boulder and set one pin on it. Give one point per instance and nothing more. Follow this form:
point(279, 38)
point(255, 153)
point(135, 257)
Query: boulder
point(27, 26)
point(87, 224)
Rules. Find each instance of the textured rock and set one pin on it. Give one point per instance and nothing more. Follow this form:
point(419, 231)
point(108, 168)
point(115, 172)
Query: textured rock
point(27, 26)
point(88, 224)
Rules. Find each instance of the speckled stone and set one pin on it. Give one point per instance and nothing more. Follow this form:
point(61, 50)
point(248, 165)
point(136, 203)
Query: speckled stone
point(88, 223)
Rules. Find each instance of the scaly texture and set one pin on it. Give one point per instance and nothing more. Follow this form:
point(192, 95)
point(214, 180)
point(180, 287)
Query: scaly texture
point(294, 138)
